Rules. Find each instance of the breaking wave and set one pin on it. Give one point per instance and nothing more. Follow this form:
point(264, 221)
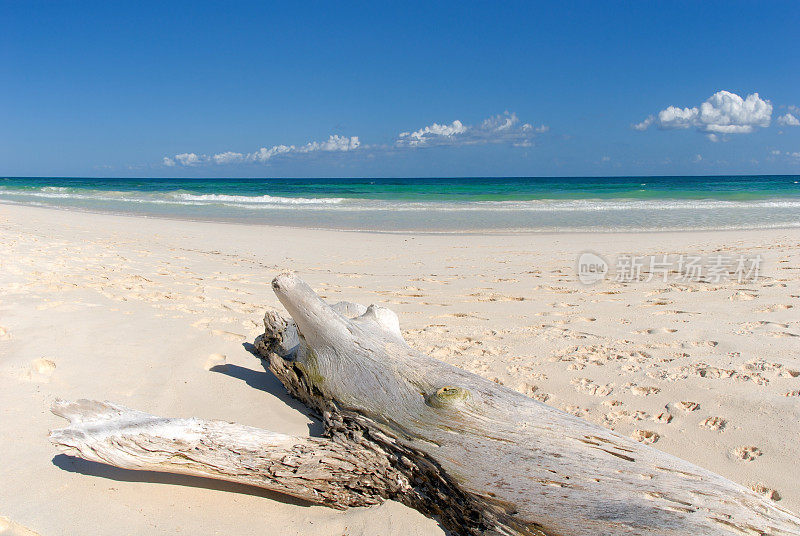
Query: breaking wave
point(262, 202)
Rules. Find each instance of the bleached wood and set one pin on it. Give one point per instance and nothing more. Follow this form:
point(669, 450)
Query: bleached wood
point(480, 457)
point(313, 469)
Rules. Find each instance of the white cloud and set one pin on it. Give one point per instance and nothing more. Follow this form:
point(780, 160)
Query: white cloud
point(334, 143)
point(433, 133)
point(674, 117)
point(187, 159)
point(788, 120)
point(499, 123)
point(501, 128)
point(723, 113)
point(794, 154)
point(264, 154)
point(728, 113)
point(644, 124)
point(228, 157)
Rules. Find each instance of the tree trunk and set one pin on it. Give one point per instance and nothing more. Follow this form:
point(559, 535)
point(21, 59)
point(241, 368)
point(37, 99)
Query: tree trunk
point(479, 457)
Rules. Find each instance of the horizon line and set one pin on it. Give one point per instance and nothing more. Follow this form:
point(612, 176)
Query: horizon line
point(455, 177)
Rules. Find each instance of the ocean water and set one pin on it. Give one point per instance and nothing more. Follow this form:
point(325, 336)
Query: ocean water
point(437, 204)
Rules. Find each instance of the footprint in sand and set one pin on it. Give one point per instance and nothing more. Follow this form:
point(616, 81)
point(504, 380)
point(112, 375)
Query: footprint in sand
point(216, 362)
point(747, 454)
point(687, 405)
point(588, 386)
point(4, 334)
point(527, 389)
point(766, 492)
point(229, 335)
point(41, 369)
point(575, 410)
point(653, 331)
point(771, 323)
point(493, 297)
point(773, 308)
point(462, 315)
point(541, 397)
point(612, 417)
point(697, 344)
point(782, 334)
point(645, 436)
point(663, 417)
point(653, 303)
point(641, 390)
point(714, 423)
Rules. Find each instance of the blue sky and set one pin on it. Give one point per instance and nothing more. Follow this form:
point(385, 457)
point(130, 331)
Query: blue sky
point(326, 89)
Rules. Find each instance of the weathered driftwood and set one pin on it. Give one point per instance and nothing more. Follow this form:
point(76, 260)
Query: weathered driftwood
point(314, 469)
point(479, 457)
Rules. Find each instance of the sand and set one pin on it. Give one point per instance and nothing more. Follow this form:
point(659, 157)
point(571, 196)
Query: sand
point(154, 314)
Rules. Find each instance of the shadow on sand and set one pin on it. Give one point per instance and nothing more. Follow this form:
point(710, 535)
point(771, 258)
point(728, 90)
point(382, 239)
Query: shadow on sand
point(257, 379)
point(84, 467)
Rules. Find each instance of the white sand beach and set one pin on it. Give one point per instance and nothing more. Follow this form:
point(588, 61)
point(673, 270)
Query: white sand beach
point(138, 310)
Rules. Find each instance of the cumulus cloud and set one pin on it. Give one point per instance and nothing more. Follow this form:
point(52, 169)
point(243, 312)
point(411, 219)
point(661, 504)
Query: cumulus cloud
point(183, 159)
point(674, 117)
point(265, 154)
point(227, 157)
point(644, 124)
point(334, 143)
point(501, 128)
point(723, 113)
point(788, 120)
point(431, 134)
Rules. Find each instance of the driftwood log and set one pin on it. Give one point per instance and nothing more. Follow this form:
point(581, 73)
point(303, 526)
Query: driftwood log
point(480, 458)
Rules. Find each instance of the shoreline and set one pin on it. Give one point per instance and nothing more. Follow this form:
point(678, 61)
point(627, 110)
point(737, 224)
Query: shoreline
point(140, 310)
point(466, 232)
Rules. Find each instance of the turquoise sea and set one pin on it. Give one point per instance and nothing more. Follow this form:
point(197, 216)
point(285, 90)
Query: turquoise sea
point(437, 204)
